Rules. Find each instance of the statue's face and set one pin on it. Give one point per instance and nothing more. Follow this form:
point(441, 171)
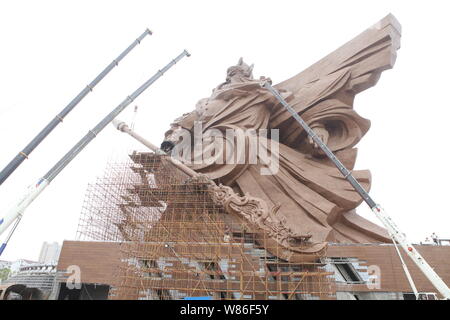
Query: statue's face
point(235, 72)
point(239, 72)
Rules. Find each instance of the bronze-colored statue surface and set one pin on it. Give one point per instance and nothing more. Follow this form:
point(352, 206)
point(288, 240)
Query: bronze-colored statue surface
point(306, 193)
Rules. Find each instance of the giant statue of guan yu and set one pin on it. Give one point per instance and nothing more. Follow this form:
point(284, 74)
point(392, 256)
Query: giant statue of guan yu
point(304, 196)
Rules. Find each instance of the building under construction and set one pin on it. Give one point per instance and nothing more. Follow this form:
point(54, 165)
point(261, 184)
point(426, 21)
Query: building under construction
point(151, 232)
point(153, 228)
point(177, 242)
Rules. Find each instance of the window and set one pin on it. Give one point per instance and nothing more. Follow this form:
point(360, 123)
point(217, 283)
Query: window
point(345, 271)
point(349, 273)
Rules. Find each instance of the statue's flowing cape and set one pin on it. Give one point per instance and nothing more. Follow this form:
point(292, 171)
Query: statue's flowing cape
point(308, 193)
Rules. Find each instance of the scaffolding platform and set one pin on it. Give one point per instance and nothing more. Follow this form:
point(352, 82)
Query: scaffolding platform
point(177, 243)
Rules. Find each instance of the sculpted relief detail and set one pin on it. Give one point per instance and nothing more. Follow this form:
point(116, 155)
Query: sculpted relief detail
point(303, 199)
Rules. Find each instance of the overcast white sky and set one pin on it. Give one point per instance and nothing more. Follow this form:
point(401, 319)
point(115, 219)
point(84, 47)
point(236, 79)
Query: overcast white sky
point(51, 49)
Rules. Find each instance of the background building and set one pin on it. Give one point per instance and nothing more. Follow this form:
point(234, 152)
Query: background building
point(49, 253)
point(31, 280)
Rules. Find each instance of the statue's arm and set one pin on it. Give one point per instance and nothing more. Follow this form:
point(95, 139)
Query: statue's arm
point(335, 122)
point(178, 129)
point(320, 129)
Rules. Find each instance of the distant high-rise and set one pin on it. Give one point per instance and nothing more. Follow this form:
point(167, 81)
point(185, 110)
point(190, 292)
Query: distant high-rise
point(49, 253)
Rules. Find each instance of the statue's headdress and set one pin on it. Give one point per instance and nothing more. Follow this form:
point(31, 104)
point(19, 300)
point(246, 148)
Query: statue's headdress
point(241, 67)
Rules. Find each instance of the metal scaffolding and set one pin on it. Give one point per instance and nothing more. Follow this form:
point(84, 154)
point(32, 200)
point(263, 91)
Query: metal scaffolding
point(177, 243)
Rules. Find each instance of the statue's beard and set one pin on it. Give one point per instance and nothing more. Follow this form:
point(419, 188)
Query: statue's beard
point(238, 78)
point(235, 78)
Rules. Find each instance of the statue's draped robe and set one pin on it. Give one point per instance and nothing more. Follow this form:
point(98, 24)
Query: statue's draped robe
point(311, 193)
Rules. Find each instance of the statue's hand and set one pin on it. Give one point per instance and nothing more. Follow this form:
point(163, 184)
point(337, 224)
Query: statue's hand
point(172, 138)
point(323, 135)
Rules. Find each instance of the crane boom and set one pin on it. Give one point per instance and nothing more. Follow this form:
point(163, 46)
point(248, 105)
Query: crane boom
point(21, 156)
point(17, 211)
point(385, 219)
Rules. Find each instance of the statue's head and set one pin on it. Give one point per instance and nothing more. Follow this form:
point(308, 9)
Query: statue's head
point(240, 71)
